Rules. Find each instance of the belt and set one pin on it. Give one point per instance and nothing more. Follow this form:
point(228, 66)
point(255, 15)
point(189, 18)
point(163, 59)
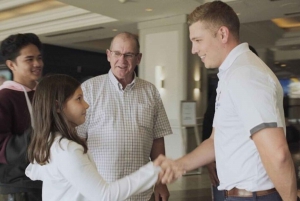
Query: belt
point(235, 192)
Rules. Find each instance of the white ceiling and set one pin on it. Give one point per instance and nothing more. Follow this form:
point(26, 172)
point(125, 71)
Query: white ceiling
point(88, 24)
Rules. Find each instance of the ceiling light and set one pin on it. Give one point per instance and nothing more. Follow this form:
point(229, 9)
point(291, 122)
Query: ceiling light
point(283, 65)
point(148, 9)
point(114, 29)
point(30, 9)
point(287, 22)
point(122, 1)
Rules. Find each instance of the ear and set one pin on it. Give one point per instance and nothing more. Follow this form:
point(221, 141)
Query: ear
point(139, 58)
point(108, 55)
point(224, 34)
point(10, 64)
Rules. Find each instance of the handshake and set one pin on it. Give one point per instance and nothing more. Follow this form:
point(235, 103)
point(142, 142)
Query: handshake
point(170, 169)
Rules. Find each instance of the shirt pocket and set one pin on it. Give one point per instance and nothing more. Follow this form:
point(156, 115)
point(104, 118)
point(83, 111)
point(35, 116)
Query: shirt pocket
point(145, 116)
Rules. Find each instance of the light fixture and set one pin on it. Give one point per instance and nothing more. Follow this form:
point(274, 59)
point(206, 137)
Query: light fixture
point(197, 84)
point(148, 9)
point(159, 77)
point(29, 8)
point(283, 65)
point(197, 77)
point(114, 29)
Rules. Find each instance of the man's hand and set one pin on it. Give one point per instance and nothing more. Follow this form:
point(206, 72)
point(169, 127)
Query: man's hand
point(161, 191)
point(212, 172)
point(171, 170)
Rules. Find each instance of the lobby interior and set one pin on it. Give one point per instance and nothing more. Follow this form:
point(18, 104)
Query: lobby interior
point(85, 29)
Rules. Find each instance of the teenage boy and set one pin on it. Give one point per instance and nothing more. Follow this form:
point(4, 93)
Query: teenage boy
point(22, 55)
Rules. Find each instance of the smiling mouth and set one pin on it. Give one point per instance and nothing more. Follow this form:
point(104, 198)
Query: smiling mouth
point(37, 71)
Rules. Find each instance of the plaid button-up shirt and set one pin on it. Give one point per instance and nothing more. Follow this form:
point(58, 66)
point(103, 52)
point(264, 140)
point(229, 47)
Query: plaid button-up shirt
point(121, 125)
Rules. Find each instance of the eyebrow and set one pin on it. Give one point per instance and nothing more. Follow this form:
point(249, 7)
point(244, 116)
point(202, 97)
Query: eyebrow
point(196, 38)
point(124, 53)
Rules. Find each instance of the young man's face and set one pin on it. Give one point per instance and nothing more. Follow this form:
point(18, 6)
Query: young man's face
point(28, 66)
point(206, 44)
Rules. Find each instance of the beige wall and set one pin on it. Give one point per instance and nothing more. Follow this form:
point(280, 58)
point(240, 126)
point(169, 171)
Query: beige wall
point(165, 42)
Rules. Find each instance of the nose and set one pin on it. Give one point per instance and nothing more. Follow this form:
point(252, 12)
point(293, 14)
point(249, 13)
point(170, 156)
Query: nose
point(37, 62)
point(194, 49)
point(86, 105)
point(123, 58)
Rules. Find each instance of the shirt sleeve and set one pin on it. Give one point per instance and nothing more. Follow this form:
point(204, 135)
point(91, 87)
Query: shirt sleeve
point(254, 96)
point(84, 176)
point(13, 146)
point(5, 125)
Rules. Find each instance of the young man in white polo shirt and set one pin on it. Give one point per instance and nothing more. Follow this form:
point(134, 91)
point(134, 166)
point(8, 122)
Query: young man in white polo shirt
point(248, 139)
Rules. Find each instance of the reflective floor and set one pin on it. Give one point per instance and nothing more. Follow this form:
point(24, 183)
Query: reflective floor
point(191, 187)
point(197, 187)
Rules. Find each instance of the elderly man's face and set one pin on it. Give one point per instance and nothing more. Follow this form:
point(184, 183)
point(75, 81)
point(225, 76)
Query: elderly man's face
point(123, 57)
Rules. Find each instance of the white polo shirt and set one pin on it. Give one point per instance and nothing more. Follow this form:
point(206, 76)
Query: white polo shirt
point(249, 98)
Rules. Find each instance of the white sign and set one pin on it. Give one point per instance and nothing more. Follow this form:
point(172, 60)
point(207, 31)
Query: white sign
point(188, 113)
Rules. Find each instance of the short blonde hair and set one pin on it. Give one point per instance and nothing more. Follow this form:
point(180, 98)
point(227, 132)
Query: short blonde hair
point(216, 14)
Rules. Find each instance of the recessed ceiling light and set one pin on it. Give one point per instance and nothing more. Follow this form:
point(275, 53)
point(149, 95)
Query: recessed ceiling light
point(283, 65)
point(238, 13)
point(114, 29)
point(148, 9)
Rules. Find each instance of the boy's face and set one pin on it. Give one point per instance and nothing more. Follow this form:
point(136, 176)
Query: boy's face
point(28, 66)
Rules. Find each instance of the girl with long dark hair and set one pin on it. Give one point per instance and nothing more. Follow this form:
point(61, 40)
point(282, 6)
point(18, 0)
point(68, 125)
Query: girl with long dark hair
point(60, 158)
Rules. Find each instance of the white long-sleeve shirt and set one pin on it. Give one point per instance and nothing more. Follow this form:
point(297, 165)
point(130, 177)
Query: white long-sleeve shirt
point(72, 175)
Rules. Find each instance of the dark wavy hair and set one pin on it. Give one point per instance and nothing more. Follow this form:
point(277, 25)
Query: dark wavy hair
point(11, 46)
point(216, 14)
point(50, 97)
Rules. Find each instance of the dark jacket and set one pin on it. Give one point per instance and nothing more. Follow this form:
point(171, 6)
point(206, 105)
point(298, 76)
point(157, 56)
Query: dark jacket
point(15, 132)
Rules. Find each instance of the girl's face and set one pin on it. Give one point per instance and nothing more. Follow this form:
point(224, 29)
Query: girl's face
point(75, 108)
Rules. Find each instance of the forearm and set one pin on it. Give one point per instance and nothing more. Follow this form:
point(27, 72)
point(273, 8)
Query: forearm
point(202, 155)
point(282, 173)
point(135, 183)
point(276, 158)
point(97, 188)
point(158, 147)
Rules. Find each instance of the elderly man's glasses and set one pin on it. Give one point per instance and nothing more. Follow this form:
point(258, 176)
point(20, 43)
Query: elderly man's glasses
point(129, 55)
